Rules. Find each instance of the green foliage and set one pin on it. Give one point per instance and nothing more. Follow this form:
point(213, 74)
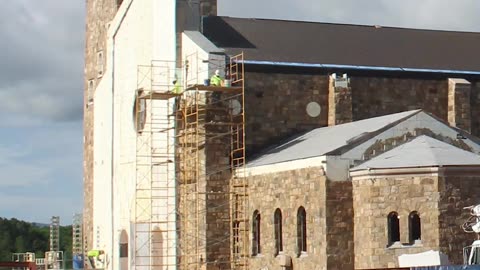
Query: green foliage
point(18, 236)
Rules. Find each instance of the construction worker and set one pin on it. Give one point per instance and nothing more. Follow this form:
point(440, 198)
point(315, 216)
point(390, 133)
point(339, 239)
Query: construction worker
point(216, 80)
point(177, 88)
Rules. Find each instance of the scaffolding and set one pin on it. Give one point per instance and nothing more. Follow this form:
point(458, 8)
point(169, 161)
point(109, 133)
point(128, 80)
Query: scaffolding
point(155, 187)
point(212, 202)
point(77, 240)
point(190, 210)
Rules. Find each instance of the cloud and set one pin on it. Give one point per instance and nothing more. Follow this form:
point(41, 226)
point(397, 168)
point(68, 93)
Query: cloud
point(42, 60)
point(428, 14)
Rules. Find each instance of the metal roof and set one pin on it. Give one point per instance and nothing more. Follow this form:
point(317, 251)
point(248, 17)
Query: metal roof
point(422, 151)
point(321, 141)
point(342, 45)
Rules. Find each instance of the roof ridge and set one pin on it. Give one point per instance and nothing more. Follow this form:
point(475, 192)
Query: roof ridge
point(376, 26)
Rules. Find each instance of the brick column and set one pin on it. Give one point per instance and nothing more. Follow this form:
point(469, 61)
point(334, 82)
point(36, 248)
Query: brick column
point(459, 109)
point(339, 101)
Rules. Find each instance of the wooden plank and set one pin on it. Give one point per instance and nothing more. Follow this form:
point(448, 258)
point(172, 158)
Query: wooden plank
point(212, 88)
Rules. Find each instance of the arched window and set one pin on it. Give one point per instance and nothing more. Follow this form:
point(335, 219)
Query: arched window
point(301, 231)
point(277, 217)
point(256, 233)
point(123, 250)
point(393, 228)
point(119, 3)
point(414, 227)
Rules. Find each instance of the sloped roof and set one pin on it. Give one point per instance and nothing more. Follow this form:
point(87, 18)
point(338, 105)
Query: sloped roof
point(343, 44)
point(423, 151)
point(324, 140)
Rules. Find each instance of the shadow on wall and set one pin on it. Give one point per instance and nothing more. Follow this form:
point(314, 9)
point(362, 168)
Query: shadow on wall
point(223, 34)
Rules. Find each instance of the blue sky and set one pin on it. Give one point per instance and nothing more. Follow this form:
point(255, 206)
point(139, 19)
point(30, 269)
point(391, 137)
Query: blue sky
point(41, 71)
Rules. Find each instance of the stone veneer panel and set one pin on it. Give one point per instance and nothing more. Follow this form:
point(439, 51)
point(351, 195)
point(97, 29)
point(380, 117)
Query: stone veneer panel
point(275, 105)
point(374, 199)
point(456, 191)
point(459, 113)
point(288, 191)
point(204, 220)
point(475, 108)
point(376, 96)
point(339, 206)
point(339, 104)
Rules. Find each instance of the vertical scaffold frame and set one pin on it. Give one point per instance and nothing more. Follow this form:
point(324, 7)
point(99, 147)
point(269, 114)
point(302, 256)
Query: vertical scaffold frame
point(213, 120)
point(155, 186)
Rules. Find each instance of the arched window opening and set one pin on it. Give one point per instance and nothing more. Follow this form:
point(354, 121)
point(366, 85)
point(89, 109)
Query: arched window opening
point(156, 246)
point(393, 228)
point(139, 112)
point(414, 227)
point(123, 246)
point(256, 249)
point(278, 231)
point(119, 3)
point(301, 231)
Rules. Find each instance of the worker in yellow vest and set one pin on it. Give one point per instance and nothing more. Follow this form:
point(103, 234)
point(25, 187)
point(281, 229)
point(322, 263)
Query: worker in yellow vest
point(216, 80)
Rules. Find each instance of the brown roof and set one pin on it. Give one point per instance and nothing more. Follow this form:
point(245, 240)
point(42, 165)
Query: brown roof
point(342, 44)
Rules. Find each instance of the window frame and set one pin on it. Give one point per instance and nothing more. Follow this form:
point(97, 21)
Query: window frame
point(393, 228)
point(256, 233)
point(278, 236)
point(301, 231)
point(414, 227)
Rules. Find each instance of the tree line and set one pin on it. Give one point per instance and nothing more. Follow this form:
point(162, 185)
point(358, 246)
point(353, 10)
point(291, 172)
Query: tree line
point(17, 236)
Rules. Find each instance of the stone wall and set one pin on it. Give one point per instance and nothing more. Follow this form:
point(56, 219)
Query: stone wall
point(458, 190)
point(475, 108)
point(376, 96)
point(205, 173)
point(99, 14)
point(275, 105)
point(374, 198)
point(459, 114)
point(288, 191)
point(339, 207)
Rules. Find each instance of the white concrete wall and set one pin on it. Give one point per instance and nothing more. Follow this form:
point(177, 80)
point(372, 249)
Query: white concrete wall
point(102, 221)
point(202, 62)
point(142, 31)
point(197, 70)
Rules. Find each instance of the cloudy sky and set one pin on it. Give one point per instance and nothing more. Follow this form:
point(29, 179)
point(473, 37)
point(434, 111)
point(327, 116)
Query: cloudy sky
point(41, 69)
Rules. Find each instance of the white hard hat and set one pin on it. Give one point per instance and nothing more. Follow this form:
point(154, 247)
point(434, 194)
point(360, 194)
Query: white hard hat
point(217, 72)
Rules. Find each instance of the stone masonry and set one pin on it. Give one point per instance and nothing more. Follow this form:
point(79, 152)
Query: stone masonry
point(339, 209)
point(437, 199)
point(459, 113)
point(288, 191)
point(339, 101)
point(378, 95)
point(205, 173)
point(276, 101)
point(329, 211)
point(458, 187)
point(275, 106)
point(374, 198)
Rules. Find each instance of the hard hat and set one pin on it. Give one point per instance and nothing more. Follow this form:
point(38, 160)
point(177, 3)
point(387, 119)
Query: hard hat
point(217, 72)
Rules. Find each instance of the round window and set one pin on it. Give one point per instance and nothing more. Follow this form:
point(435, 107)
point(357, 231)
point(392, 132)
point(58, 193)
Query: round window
point(313, 109)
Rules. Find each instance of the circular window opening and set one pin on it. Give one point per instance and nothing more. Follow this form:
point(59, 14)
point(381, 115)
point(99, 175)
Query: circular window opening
point(313, 109)
point(139, 112)
point(235, 106)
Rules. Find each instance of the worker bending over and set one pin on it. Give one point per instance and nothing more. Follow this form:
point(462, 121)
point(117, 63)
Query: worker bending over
point(216, 80)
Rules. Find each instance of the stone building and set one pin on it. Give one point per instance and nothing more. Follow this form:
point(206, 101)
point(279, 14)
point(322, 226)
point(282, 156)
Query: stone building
point(300, 78)
point(337, 215)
